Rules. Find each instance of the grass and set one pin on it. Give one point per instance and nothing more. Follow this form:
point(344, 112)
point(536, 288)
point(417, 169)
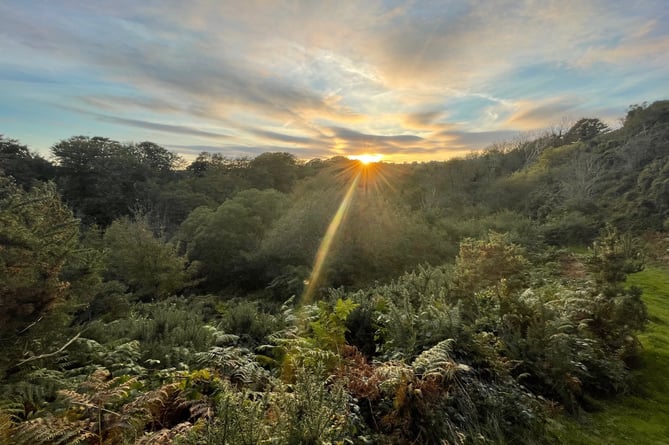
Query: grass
point(642, 418)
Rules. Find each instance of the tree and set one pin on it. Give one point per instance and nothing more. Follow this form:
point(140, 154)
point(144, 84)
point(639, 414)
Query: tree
point(37, 233)
point(157, 161)
point(216, 177)
point(585, 129)
point(225, 240)
point(24, 167)
point(273, 170)
point(96, 176)
point(103, 179)
point(613, 256)
point(150, 267)
point(489, 262)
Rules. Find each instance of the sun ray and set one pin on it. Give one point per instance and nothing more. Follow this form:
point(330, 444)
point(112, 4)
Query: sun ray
point(324, 249)
point(370, 179)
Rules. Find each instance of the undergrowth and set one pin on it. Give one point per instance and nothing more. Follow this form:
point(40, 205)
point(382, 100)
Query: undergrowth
point(640, 417)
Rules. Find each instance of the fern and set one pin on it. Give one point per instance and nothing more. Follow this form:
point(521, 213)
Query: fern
point(235, 363)
point(9, 416)
point(162, 409)
point(437, 361)
point(53, 431)
point(297, 352)
point(165, 436)
point(92, 405)
point(311, 410)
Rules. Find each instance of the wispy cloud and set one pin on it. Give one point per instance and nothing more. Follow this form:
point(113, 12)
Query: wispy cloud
point(477, 140)
point(177, 129)
point(531, 115)
point(271, 135)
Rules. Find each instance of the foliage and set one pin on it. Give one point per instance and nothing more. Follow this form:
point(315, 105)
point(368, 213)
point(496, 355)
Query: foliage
point(238, 418)
point(640, 415)
point(22, 166)
point(38, 235)
point(168, 334)
point(494, 262)
point(329, 328)
point(149, 267)
point(276, 171)
point(224, 240)
point(613, 256)
point(249, 322)
point(584, 129)
point(103, 179)
point(414, 313)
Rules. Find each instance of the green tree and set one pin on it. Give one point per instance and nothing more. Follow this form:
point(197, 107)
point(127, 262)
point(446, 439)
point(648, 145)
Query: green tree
point(225, 240)
point(150, 267)
point(24, 167)
point(612, 257)
point(273, 170)
point(103, 179)
point(585, 129)
point(37, 235)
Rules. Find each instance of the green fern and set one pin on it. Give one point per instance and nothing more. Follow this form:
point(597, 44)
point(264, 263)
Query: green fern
point(237, 364)
point(437, 361)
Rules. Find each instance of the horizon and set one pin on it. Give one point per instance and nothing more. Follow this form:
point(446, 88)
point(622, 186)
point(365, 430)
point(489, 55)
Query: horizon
point(412, 81)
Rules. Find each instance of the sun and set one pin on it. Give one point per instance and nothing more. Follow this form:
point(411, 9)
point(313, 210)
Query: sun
point(367, 158)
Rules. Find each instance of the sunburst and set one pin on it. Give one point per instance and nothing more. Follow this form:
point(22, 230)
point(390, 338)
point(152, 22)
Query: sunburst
point(367, 176)
point(367, 158)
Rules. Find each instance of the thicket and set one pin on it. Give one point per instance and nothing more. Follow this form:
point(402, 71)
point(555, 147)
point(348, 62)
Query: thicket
point(151, 303)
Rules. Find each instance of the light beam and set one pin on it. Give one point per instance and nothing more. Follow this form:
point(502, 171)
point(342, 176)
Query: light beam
point(324, 249)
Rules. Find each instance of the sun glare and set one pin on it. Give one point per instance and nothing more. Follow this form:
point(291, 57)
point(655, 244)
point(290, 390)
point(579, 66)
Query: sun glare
point(367, 158)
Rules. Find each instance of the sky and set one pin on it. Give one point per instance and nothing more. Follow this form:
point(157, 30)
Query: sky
point(411, 80)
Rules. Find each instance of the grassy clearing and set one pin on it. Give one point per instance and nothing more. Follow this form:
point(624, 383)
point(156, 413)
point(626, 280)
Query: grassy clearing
point(642, 418)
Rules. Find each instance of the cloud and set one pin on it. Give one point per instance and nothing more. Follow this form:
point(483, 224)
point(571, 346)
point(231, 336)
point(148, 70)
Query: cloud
point(423, 119)
point(284, 137)
point(110, 102)
point(190, 152)
point(177, 129)
point(477, 140)
point(355, 136)
point(532, 116)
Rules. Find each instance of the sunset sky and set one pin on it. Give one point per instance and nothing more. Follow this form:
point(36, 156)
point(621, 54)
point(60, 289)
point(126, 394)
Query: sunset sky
point(412, 80)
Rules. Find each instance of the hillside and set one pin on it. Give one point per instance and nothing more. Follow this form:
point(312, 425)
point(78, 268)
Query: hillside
point(270, 300)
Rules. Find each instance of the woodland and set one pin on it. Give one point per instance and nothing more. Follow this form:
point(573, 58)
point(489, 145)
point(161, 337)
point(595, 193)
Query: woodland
point(481, 300)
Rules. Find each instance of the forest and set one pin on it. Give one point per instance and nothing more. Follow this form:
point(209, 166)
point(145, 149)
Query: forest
point(269, 300)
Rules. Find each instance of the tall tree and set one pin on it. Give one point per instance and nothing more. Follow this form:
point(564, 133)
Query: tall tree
point(103, 179)
point(585, 129)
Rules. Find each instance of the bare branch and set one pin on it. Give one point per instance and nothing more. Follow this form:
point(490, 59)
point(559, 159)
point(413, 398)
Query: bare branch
point(51, 354)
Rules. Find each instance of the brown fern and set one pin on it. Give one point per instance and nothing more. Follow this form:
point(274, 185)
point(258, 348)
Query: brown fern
point(54, 431)
point(165, 436)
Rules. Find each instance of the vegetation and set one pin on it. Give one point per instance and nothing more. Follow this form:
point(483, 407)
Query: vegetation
point(638, 417)
point(145, 300)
